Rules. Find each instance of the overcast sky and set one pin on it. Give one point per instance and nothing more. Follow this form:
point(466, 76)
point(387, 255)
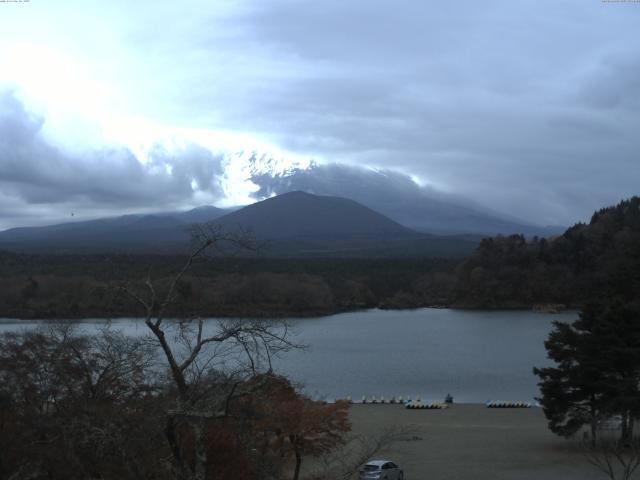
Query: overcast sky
point(529, 107)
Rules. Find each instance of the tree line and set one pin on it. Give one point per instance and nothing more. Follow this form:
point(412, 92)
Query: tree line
point(33, 286)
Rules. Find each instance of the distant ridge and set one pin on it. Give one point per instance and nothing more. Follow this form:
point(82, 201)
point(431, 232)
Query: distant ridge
point(292, 224)
point(392, 194)
point(203, 214)
point(159, 233)
point(303, 214)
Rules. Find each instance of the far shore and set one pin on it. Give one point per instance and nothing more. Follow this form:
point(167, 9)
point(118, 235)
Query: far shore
point(6, 317)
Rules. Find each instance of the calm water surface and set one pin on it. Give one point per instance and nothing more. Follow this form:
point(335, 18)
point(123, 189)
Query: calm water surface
point(474, 355)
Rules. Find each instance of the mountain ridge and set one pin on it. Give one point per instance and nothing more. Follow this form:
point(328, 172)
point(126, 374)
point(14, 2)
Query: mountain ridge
point(299, 213)
point(395, 195)
point(295, 224)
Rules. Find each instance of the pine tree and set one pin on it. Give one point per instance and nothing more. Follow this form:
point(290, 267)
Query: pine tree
point(597, 371)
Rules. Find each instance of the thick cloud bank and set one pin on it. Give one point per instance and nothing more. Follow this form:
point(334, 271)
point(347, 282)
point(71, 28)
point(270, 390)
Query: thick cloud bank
point(41, 180)
point(395, 195)
point(531, 108)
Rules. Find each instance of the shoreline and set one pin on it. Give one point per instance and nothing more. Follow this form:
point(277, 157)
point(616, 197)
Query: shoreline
point(265, 314)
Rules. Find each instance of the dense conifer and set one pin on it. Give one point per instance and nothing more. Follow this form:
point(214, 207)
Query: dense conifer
point(597, 370)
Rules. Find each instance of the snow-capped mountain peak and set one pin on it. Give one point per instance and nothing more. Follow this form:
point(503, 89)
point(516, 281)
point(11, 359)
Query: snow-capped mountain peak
point(243, 166)
point(253, 162)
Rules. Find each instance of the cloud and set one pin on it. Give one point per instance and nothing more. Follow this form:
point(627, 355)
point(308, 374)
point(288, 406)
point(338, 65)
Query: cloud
point(530, 108)
point(613, 85)
point(34, 172)
point(361, 184)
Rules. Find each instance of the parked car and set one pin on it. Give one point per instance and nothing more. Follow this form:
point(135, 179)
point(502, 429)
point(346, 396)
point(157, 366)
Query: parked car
point(381, 470)
point(611, 423)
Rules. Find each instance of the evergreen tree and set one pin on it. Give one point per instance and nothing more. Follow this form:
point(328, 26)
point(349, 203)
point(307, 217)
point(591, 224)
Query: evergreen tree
point(617, 326)
point(598, 369)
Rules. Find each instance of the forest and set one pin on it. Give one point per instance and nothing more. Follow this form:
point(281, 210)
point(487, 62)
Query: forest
point(588, 259)
point(35, 286)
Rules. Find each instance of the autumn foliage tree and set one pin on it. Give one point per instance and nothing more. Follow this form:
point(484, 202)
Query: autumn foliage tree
point(287, 425)
point(315, 428)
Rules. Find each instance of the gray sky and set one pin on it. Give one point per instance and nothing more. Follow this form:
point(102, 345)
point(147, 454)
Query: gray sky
point(530, 107)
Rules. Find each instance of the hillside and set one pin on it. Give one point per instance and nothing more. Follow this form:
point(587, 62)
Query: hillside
point(305, 225)
point(163, 232)
point(302, 214)
point(588, 259)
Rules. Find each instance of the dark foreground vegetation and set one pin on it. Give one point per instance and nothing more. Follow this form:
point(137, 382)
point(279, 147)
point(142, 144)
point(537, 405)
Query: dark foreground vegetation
point(503, 272)
point(79, 407)
point(597, 375)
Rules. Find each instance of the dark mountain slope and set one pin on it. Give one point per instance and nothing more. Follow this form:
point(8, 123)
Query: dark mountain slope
point(302, 214)
point(127, 233)
point(202, 214)
point(296, 224)
point(161, 232)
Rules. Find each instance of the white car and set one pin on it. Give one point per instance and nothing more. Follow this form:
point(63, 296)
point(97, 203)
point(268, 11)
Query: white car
point(381, 470)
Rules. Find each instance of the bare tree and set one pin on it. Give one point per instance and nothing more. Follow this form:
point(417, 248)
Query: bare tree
point(76, 406)
point(208, 361)
point(615, 458)
point(112, 365)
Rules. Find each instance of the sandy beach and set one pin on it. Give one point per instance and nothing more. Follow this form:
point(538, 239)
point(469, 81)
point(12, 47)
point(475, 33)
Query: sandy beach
point(470, 441)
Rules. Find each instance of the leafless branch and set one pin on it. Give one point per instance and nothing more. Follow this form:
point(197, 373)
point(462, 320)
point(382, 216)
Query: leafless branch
point(614, 458)
point(197, 347)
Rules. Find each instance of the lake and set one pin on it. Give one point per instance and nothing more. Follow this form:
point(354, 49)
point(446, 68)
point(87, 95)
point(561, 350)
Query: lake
point(473, 355)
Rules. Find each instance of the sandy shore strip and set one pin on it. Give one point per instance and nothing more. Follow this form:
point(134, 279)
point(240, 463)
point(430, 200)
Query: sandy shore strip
point(470, 441)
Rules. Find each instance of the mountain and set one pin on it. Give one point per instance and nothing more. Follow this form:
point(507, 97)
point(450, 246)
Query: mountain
point(292, 224)
point(302, 214)
point(391, 193)
point(161, 232)
point(302, 224)
point(202, 214)
point(126, 233)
